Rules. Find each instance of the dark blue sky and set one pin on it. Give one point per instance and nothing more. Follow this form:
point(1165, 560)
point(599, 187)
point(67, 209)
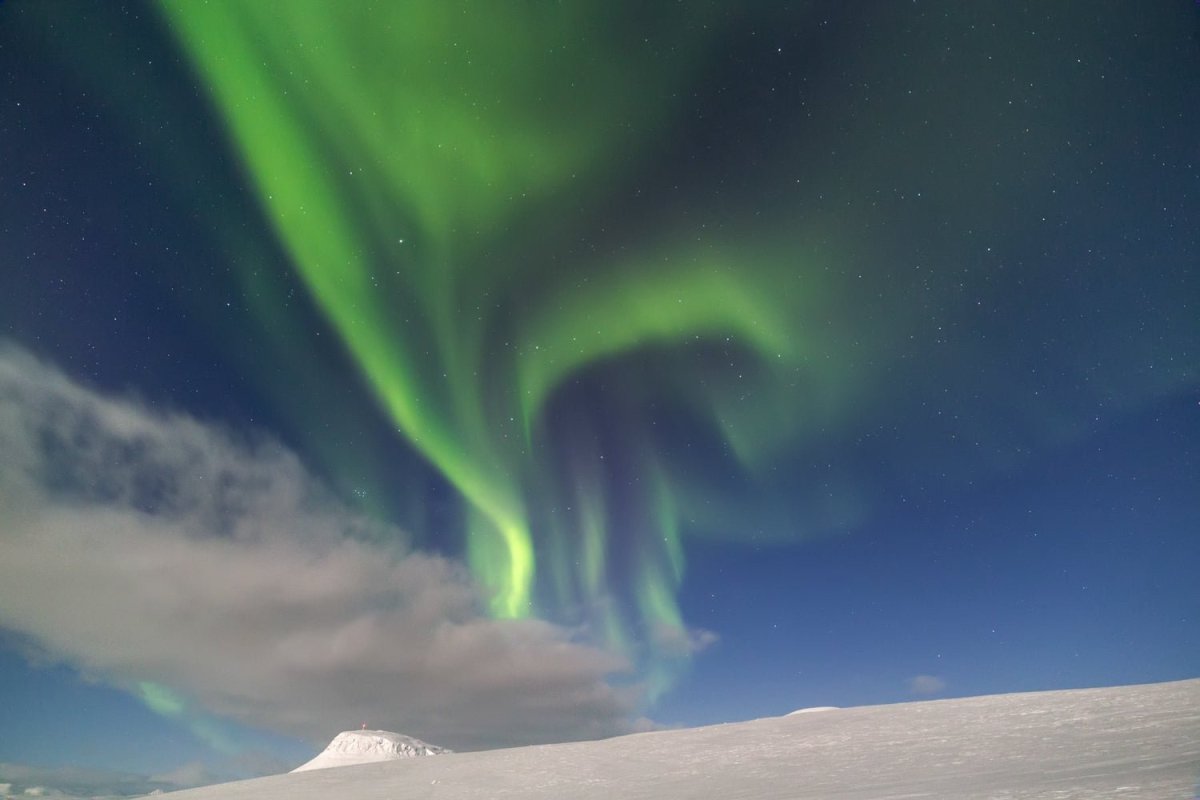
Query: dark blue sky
point(863, 343)
point(1054, 577)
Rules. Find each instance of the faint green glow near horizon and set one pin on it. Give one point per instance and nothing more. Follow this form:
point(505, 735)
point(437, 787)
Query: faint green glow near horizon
point(166, 703)
point(389, 150)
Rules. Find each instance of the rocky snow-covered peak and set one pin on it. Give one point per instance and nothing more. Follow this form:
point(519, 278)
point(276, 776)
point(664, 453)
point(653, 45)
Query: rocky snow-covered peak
point(365, 747)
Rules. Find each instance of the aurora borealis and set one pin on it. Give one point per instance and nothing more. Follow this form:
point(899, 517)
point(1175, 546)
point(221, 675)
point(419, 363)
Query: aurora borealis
point(386, 180)
point(786, 344)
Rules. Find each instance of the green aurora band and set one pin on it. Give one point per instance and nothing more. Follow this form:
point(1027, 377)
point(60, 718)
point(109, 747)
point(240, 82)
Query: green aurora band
point(166, 703)
point(394, 152)
point(806, 314)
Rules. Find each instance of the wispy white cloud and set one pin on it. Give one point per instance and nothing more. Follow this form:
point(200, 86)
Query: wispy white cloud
point(155, 550)
point(679, 642)
point(926, 684)
point(67, 783)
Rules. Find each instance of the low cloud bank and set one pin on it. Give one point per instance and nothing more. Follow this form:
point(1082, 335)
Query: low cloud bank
point(155, 550)
point(69, 783)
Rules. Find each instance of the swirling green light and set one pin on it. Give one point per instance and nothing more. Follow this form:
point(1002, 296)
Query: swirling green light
point(705, 295)
point(391, 149)
point(166, 703)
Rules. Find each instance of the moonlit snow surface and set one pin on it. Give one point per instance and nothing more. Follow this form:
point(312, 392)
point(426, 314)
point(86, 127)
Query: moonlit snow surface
point(1125, 742)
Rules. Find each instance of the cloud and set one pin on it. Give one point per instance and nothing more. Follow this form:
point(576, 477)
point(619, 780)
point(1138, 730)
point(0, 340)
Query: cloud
point(188, 775)
point(926, 684)
point(676, 641)
point(23, 780)
point(200, 569)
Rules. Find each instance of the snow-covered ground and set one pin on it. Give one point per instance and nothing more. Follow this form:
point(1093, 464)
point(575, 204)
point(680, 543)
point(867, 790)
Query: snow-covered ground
point(1127, 742)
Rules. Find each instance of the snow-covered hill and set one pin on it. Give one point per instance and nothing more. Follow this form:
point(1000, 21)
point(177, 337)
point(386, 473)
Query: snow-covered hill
point(1132, 743)
point(366, 747)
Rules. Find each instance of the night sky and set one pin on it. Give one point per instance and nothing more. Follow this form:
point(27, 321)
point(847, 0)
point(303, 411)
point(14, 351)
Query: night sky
point(502, 373)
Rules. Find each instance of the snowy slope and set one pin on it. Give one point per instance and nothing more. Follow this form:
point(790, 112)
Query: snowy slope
point(366, 747)
point(1133, 743)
